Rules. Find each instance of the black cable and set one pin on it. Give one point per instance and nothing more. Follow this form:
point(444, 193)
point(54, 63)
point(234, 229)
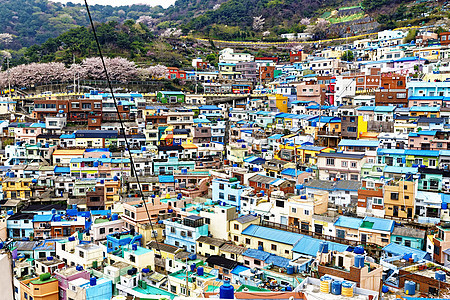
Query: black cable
point(133, 168)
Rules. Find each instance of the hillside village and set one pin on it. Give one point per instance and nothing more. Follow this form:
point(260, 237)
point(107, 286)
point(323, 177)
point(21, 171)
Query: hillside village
point(325, 176)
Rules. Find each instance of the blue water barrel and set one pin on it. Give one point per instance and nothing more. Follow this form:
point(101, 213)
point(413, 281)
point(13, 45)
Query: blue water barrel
point(359, 250)
point(290, 270)
point(49, 258)
point(134, 247)
point(336, 287)
point(34, 180)
point(10, 212)
point(385, 289)
point(359, 261)
point(53, 211)
point(444, 205)
point(410, 287)
point(260, 247)
point(323, 247)
point(193, 266)
point(145, 270)
point(114, 217)
point(92, 281)
point(200, 271)
point(226, 290)
point(79, 268)
point(96, 164)
point(440, 275)
point(71, 238)
point(116, 178)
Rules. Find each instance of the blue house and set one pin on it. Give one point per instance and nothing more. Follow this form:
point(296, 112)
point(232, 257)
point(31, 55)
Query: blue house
point(20, 226)
point(184, 233)
point(394, 249)
point(228, 191)
point(115, 241)
point(310, 246)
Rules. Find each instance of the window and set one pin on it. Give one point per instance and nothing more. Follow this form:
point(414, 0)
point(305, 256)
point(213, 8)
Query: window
point(377, 201)
point(221, 196)
point(294, 210)
point(407, 243)
point(102, 230)
point(81, 253)
point(384, 240)
point(212, 247)
point(247, 241)
point(394, 196)
point(246, 262)
point(330, 161)
point(273, 247)
point(236, 226)
point(353, 177)
point(236, 238)
point(353, 165)
point(221, 186)
point(306, 212)
point(257, 262)
point(344, 164)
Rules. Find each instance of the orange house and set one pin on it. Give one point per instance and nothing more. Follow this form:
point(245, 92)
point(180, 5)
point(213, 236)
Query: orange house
point(39, 288)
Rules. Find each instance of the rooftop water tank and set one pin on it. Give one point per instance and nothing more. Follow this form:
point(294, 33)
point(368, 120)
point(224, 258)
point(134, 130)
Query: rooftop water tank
point(114, 217)
point(79, 268)
point(93, 281)
point(359, 261)
point(359, 250)
point(134, 247)
point(193, 266)
point(336, 287)
point(290, 270)
point(200, 271)
point(323, 247)
point(226, 290)
point(440, 275)
point(410, 287)
point(145, 270)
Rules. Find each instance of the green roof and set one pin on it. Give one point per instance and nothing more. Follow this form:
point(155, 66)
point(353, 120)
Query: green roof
point(151, 290)
point(367, 224)
point(251, 289)
point(39, 281)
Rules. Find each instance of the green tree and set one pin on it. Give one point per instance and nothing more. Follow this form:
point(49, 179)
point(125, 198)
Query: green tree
point(348, 56)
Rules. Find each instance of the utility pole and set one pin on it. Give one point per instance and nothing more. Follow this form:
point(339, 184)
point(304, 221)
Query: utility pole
point(74, 77)
point(9, 77)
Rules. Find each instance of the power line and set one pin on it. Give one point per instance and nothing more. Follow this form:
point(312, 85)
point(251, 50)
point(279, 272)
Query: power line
point(122, 126)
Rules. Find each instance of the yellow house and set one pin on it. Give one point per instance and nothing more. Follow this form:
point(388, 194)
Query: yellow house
point(281, 102)
point(301, 210)
point(63, 157)
point(429, 53)
point(17, 188)
point(208, 246)
point(238, 225)
point(399, 199)
point(308, 154)
point(275, 241)
point(94, 142)
point(167, 253)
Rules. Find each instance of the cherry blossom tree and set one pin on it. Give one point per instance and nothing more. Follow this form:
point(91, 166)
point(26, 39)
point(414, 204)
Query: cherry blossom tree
point(258, 23)
point(119, 69)
point(305, 21)
point(147, 21)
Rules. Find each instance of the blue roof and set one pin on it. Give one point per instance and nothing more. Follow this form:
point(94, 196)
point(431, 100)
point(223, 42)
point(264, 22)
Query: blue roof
point(422, 152)
point(275, 137)
point(67, 136)
point(358, 143)
point(397, 249)
point(366, 108)
point(284, 237)
point(426, 98)
point(425, 108)
point(256, 254)
point(61, 169)
point(380, 224)
point(390, 151)
point(423, 132)
point(197, 120)
point(277, 261)
point(400, 170)
point(311, 148)
point(239, 269)
point(384, 108)
point(254, 159)
point(310, 246)
point(209, 107)
point(348, 222)
point(291, 172)
point(166, 178)
point(43, 218)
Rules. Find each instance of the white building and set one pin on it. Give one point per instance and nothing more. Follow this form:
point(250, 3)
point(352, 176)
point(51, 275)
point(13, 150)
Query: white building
point(228, 56)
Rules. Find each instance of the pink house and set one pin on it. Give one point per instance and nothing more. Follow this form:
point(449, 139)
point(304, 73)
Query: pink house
point(27, 134)
point(66, 275)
